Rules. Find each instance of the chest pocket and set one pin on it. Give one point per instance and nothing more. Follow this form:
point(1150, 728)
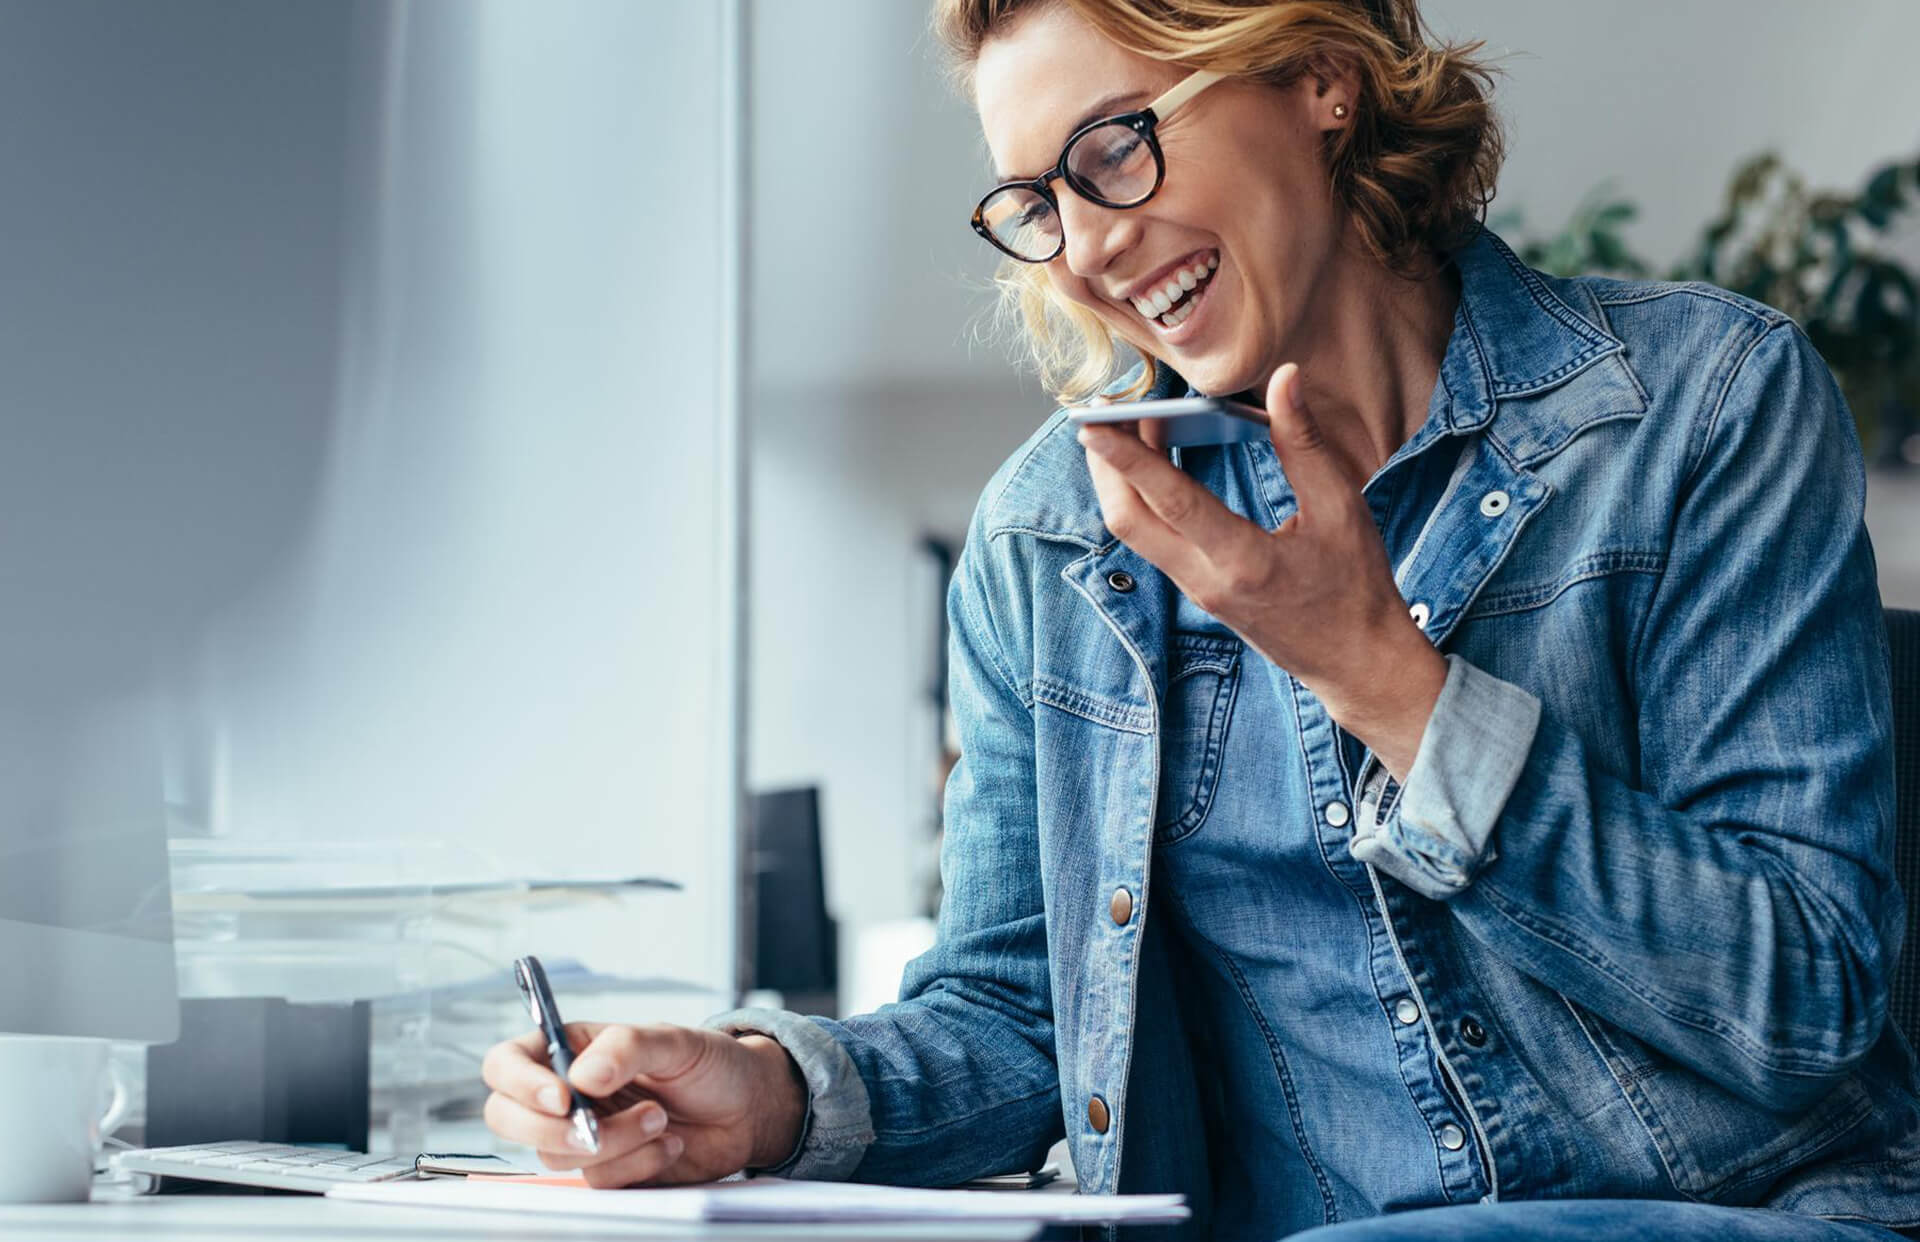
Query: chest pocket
point(1203, 676)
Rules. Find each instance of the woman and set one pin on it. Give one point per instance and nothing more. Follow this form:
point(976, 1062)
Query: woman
point(1468, 816)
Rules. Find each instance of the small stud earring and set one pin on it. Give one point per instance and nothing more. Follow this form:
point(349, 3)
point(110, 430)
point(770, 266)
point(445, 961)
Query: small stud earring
point(1340, 112)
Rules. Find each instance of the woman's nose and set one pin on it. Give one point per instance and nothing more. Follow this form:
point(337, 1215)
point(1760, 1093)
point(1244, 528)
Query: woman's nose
point(1095, 235)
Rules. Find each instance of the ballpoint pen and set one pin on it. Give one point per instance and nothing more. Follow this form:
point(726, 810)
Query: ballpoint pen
point(532, 978)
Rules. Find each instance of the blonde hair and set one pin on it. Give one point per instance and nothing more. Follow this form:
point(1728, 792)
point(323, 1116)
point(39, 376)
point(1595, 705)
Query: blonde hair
point(1415, 169)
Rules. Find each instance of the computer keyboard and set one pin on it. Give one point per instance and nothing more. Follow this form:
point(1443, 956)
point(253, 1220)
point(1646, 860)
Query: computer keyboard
point(275, 1166)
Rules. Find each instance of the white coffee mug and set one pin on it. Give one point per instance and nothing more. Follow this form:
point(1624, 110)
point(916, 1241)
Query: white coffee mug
point(51, 1091)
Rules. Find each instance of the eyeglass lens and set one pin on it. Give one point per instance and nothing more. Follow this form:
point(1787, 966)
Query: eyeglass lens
point(1112, 164)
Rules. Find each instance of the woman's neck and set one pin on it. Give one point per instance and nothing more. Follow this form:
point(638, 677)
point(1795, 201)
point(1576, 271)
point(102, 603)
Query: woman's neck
point(1373, 356)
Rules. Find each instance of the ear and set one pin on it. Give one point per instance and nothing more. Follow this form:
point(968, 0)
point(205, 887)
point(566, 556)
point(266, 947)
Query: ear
point(1335, 83)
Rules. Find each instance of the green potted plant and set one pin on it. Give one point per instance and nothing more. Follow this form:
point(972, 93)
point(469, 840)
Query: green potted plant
point(1817, 256)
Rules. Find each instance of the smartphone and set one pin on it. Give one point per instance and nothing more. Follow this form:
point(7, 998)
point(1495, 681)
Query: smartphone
point(1187, 421)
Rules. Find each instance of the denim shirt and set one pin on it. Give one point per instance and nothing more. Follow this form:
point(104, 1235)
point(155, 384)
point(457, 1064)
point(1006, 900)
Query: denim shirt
point(1645, 844)
point(1340, 1106)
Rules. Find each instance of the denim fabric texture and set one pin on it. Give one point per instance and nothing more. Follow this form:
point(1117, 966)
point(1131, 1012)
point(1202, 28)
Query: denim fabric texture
point(1638, 889)
point(1587, 1220)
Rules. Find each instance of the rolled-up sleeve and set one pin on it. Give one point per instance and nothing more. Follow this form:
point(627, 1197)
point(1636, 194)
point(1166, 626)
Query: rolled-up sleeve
point(1439, 834)
point(839, 1121)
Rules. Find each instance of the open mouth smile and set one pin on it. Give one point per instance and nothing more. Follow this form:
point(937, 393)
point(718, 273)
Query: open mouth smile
point(1170, 303)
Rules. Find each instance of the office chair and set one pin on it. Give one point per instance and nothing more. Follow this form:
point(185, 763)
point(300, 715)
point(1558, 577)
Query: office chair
point(1903, 639)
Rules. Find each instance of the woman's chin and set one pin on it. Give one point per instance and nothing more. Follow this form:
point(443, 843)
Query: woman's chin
point(1213, 377)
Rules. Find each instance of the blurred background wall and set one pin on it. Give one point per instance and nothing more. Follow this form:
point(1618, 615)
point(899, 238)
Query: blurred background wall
point(875, 416)
point(368, 402)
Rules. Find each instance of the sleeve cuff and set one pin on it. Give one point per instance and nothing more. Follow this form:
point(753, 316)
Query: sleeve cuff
point(839, 1124)
point(1440, 833)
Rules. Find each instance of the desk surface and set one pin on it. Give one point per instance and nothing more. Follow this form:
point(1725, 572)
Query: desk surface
point(115, 1214)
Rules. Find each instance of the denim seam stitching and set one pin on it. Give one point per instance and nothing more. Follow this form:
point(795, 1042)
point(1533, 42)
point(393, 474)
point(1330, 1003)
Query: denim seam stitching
point(1059, 417)
point(1327, 1201)
point(990, 647)
point(1690, 289)
point(1597, 565)
point(1720, 402)
point(1539, 384)
point(1736, 1039)
point(1377, 929)
point(1068, 698)
point(1606, 325)
point(1637, 639)
point(1219, 722)
point(1042, 533)
point(1553, 304)
point(945, 1122)
point(1627, 1094)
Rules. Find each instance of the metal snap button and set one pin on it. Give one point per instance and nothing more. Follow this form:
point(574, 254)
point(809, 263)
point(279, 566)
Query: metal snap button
point(1473, 1032)
point(1097, 1116)
point(1406, 1011)
point(1337, 814)
point(1419, 613)
point(1121, 907)
point(1493, 504)
point(1121, 581)
point(1452, 1137)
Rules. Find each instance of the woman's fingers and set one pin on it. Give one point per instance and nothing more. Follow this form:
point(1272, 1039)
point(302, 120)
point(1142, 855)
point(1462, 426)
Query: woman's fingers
point(518, 1069)
point(643, 1164)
point(553, 1136)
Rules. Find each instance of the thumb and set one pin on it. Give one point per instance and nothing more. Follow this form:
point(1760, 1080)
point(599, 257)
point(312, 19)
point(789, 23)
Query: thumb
point(1306, 457)
point(619, 1054)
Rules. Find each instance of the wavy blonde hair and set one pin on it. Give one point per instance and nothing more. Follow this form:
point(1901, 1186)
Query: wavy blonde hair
point(1415, 169)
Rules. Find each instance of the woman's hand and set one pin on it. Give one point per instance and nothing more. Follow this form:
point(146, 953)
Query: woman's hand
point(700, 1104)
point(1316, 596)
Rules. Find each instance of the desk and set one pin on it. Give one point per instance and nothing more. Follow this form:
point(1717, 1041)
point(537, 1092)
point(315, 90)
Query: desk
point(117, 1214)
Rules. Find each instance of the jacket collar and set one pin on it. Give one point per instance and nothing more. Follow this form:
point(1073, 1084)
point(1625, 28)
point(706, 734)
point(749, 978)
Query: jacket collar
point(1514, 341)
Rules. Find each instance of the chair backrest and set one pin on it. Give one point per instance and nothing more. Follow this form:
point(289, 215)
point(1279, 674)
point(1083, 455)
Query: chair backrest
point(1903, 639)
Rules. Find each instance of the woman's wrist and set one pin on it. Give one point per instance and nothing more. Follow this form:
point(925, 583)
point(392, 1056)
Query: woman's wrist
point(782, 1108)
point(1390, 708)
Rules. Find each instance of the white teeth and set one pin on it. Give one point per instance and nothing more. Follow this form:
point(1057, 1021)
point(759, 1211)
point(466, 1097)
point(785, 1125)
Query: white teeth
point(1167, 304)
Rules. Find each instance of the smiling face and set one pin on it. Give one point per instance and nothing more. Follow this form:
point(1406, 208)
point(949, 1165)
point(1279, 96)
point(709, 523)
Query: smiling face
point(1246, 199)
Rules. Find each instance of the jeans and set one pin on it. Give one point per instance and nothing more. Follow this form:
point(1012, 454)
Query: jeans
point(1596, 1220)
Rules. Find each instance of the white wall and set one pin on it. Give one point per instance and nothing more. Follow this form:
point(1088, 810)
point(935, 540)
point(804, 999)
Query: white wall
point(1666, 98)
point(372, 362)
point(507, 622)
point(873, 419)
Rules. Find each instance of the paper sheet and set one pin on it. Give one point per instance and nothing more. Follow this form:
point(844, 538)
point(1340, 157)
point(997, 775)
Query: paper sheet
point(771, 1199)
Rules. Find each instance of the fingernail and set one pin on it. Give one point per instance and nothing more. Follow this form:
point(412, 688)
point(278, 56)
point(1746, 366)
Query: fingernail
point(674, 1145)
point(550, 1100)
point(654, 1122)
point(1293, 384)
point(1084, 436)
point(577, 1141)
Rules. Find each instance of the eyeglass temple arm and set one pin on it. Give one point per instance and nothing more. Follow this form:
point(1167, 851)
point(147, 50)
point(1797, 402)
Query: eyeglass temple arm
point(1183, 90)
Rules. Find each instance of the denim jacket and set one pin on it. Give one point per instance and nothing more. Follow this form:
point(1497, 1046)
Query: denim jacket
point(1646, 840)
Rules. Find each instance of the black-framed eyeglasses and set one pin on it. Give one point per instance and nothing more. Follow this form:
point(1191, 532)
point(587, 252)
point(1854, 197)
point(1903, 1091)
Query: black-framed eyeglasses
point(1114, 161)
